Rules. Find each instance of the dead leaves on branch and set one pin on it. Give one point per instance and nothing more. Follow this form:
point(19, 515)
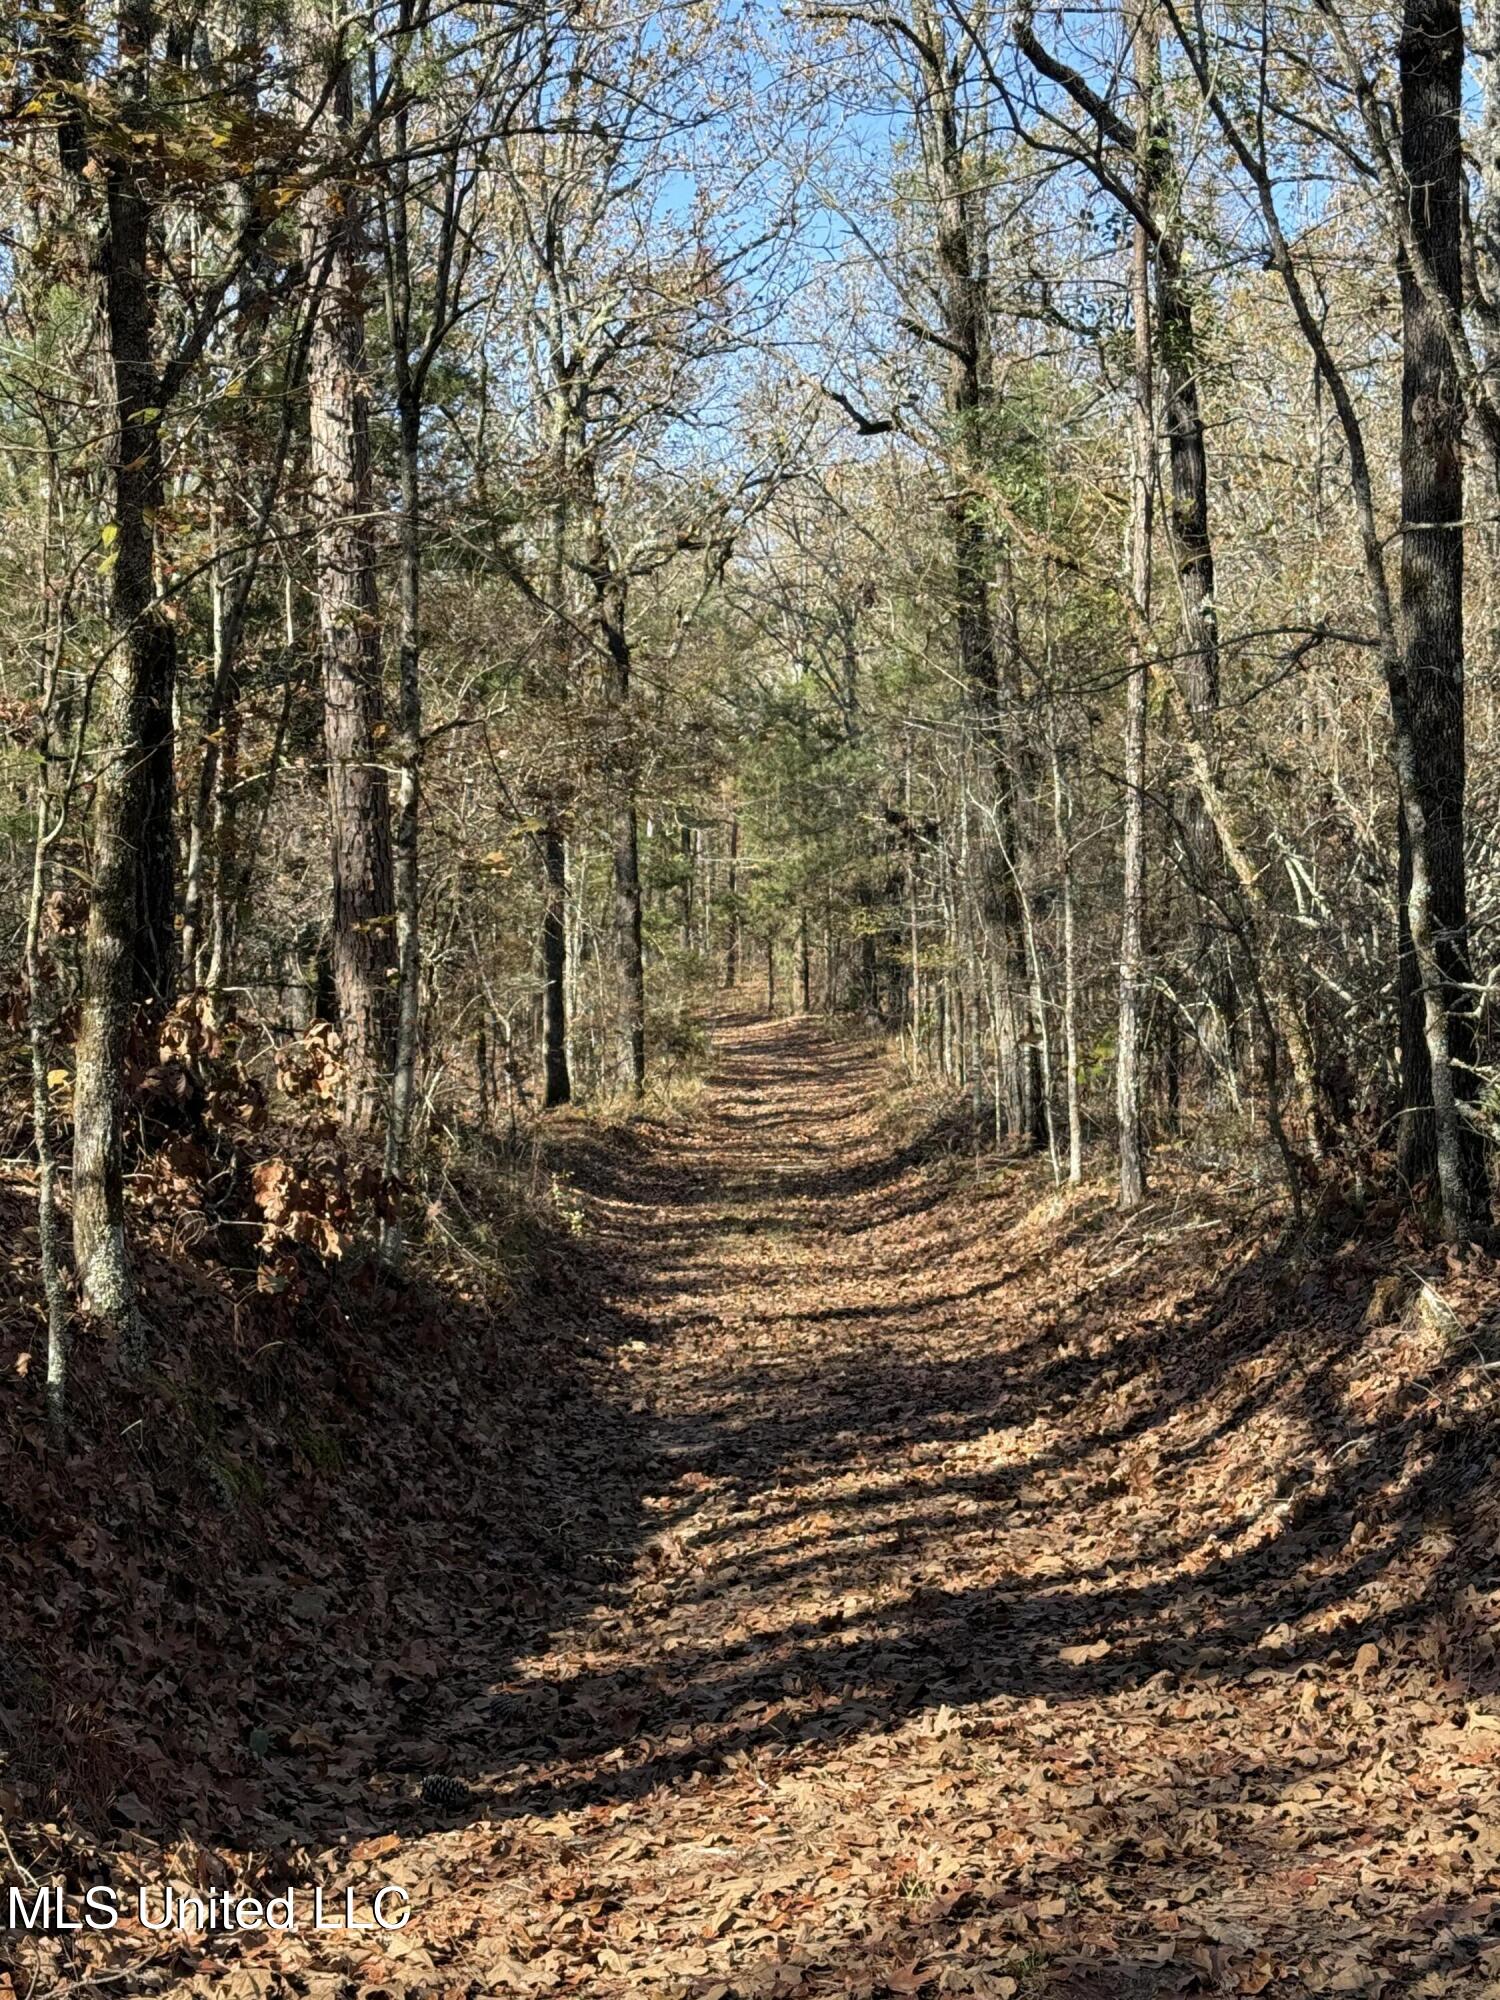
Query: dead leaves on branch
point(322, 1204)
point(310, 1069)
point(198, 1097)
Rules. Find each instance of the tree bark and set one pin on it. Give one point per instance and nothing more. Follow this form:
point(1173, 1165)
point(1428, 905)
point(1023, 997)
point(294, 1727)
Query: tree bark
point(128, 947)
point(50, 803)
point(611, 605)
point(1133, 886)
point(557, 1084)
point(1062, 824)
point(1435, 1134)
point(405, 830)
point(732, 950)
point(1187, 460)
point(213, 863)
point(1197, 669)
point(628, 948)
point(349, 629)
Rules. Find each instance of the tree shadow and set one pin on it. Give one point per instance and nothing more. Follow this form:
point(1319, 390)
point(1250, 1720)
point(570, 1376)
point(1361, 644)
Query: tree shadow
point(712, 1498)
point(1078, 1491)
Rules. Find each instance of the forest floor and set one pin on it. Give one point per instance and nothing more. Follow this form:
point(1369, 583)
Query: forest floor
point(994, 1596)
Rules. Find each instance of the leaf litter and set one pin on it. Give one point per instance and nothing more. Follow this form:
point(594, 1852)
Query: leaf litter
point(853, 1570)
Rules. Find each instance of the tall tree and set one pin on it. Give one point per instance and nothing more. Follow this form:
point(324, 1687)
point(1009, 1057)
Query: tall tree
point(128, 954)
point(944, 80)
point(1435, 1135)
point(343, 509)
point(419, 320)
point(1128, 1052)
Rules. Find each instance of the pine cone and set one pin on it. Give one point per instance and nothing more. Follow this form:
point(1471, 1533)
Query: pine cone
point(445, 1792)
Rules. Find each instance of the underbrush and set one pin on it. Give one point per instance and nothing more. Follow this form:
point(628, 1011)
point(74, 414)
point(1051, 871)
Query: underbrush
point(1354, 1189)
point(674, 1097)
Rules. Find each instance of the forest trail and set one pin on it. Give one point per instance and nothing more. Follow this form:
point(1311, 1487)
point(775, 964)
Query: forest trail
point(1003, 1615)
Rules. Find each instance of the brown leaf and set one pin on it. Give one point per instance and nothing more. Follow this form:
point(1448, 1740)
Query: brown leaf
point(376, 1848)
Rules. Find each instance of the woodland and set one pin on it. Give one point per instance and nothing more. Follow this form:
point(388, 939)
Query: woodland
point(749, 1060)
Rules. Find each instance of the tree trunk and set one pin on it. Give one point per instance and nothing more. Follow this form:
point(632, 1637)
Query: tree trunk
point(128, 946)
point(1486, 227)
point(405, 835)
point(1197, 669)
point(349, 628)
point(630, 964)
point(557, 1085)
point(50, 807)
point(732, 952)
point(1133, 888)
point(1187, 459)
point(213, 848)
point(1158, 199)
point(1062, 828)
point(1437, 1013)
point(628, 948)
point(213, 864)
point(961, 254)
point(228, 867)
point(41, 1019)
